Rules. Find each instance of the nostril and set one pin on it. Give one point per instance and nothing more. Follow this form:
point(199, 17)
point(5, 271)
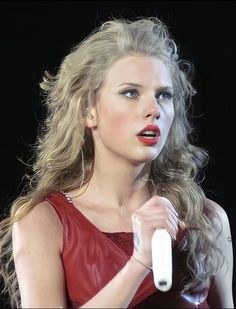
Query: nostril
point(154, 115)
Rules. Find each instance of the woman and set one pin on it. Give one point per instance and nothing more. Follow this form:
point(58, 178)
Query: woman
point(114, 163)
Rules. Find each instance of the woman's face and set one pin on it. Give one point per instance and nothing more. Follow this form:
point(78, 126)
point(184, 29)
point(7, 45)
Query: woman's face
point(134, 110)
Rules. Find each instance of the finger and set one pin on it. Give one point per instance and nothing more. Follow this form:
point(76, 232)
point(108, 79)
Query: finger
point(160, 215)
point(170, 205)
point(160, 204)
point(182, 224)
point(150, 223)
point(156, 208)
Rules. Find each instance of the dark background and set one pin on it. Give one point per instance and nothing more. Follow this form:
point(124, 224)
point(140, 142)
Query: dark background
point(36, 35)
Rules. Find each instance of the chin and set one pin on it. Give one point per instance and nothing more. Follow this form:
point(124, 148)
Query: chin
point(145, 158)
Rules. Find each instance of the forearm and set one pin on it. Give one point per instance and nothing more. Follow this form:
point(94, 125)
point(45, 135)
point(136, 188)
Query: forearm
point(119, 292)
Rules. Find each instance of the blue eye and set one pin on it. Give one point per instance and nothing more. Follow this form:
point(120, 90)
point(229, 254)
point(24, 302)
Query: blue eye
point(130, 93)
point(164, 96)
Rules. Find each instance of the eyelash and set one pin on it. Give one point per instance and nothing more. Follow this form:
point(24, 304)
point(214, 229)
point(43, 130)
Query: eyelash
point(166, 93)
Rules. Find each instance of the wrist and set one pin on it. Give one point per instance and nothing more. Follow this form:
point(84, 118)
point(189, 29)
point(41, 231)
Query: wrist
point(140, 262)
point(139, 267)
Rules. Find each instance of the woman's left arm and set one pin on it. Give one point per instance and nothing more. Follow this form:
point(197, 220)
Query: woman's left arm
point(220, 292)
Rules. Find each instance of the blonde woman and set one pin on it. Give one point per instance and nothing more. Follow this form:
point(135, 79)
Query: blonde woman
point(115, 142)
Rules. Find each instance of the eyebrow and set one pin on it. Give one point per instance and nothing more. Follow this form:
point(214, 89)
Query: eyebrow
point(165, 88)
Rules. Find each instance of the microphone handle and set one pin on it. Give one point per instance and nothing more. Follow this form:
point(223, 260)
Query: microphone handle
point(162, 259)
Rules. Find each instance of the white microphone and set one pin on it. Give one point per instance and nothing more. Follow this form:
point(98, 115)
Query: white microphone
point(162, 259)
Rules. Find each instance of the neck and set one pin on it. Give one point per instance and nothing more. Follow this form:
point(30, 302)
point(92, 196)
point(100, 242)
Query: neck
point(118, 185)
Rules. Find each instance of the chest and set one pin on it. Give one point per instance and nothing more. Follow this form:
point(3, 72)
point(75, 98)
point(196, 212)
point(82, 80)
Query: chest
point(108, 220)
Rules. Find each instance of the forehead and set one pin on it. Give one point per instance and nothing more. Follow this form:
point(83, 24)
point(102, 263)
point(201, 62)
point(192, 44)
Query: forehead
point(140, 69)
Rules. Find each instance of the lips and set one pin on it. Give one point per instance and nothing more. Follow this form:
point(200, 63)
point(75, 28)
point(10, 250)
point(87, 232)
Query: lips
point(150, 135)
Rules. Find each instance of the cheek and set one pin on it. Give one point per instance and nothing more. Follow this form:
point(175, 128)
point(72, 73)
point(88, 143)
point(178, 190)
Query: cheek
point(171, 116)
point(120, 124)
point(114, 113)
point(113, 121)
point(168, 116)
point(118, 117)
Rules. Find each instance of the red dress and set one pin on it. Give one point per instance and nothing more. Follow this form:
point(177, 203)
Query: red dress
point(92, 258)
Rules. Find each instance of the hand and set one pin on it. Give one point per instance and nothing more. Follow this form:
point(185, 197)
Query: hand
point(156, 213)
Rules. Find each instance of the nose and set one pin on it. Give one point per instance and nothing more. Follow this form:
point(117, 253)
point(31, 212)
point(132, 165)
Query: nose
point(151, 110)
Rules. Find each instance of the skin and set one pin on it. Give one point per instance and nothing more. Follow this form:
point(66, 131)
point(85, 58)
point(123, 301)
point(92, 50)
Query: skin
point(220, 294)
point(118, 115)
point(123, 110)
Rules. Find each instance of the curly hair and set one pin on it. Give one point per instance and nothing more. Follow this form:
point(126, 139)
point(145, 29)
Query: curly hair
point(64, 139)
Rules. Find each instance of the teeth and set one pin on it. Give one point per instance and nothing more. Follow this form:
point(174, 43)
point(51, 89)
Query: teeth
point(149, 133)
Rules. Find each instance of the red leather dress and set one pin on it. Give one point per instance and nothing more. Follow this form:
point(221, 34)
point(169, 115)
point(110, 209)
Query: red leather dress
point(92, 258)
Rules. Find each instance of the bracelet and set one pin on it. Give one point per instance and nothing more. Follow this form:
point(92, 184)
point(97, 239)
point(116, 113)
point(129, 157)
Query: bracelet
point(148, 267)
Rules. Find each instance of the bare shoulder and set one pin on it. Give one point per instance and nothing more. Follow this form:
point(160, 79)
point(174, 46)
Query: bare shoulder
point(220, 224)
point(220, 292)
point(216, 213)
point(41, 215)
point(41, 223)
point(37, 246)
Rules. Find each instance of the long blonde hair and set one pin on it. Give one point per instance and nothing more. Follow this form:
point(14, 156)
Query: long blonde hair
point(64, 140)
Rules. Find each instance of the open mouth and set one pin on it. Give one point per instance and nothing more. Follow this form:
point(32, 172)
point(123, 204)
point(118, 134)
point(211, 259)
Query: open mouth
point(148, 134)
point(149, 139)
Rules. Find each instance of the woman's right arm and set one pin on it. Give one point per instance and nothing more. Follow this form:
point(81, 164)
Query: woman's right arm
point(37, 245)
point(37, 241)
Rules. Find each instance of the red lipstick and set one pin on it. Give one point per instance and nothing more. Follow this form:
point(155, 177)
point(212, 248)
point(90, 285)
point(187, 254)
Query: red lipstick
point(150, 135)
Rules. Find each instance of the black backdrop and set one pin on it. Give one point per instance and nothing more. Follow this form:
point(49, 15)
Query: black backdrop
point(36, 35)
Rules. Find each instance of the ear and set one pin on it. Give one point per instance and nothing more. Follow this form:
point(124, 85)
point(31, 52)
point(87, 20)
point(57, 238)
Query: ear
point(91, 118)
